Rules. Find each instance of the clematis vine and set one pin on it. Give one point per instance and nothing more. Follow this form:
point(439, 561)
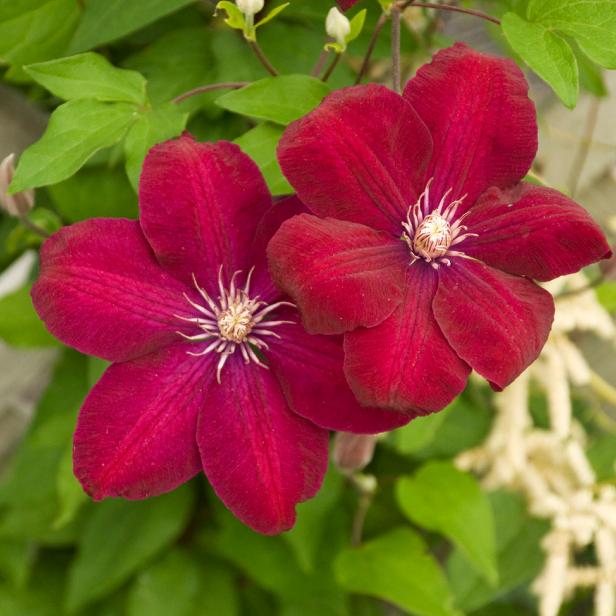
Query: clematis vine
point(423, 241)
point(212, 370)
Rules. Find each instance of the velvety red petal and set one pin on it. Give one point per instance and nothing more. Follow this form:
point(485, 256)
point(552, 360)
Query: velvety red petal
point(341, 274)
point(101, 291)
point(533, 231)
point(309, 369)
point(359, 156)
point(496, 322)
point(482, 122)
point(260, 457)
point(136, 434)
point(200, 206)
point(346, 4)
point(405, 363)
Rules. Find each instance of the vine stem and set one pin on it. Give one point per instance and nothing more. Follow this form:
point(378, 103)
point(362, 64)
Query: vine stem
point(395, 48)
point(602, 388)
point(331, 67)
point(454, 9)
point(373, 40)
point(269, 67)
point(32, 226)
point(227, 85)
point(320, 63)
point(584, 148)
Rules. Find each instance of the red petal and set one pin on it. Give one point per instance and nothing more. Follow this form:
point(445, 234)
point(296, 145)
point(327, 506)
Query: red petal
point(309, 369)
point(359, 156)
point(405, 363)
point(101, 291)
point(482, 122)
point(200, 205)
point(346, 4)
point(260, 458)
point(496, 322)
point(341, 274)
point(533, 231)
point(136, 434)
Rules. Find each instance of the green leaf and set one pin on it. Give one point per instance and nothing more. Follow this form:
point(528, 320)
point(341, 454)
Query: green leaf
point(592, 23)
point(71, 496)
point(119, 538)
point(260, 144)
point(19, 323)
point(549, 55)
point(151, 128)
point(89, 75)
point(76, 131)
point(398, 568)
point(277, 99)
point(357, 25)
point(448, 501)
point(199, 589)
point(16, 560)
point(104, 21)
point(419, 432)
point(591, 75)
point(606, 294)
point(235, 17)
point(519, 554)
point(272, 14)
point(95, 192)
point(35, 30)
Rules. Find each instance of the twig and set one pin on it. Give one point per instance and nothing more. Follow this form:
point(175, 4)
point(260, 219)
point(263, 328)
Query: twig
point(32, 226)
point(455, 9)
point(227, 85)
point(584, 147)
point(395, 48)
point(320, 63)
point(373, 40)
point(331, 67)
point(269, 67)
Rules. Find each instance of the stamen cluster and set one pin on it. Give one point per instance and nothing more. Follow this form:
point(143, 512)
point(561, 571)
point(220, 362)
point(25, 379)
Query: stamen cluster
point(431, 234)
point(236, 321)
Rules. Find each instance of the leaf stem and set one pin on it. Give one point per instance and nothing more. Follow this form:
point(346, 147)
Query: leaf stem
point(447, 7)
point(373, 40)
point(32, 226)
point(320, 63)
point(584, 147)
point(331, 67)
point(269, 67)
point(231, 85)
point(395, 48)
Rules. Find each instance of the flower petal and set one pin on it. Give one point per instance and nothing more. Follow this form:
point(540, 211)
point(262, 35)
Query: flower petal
point(341, 274)
point(533, 231)
point(496, 322)
point(101, 291)
point(482, 122)
point(309, 369)
point(260, 457)
point(346, 4)
point(359, 156)
point(200, 205)
point(405, 363)
point(136, 434)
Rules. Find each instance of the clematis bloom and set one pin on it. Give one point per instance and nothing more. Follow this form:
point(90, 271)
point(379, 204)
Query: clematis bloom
point(212, 370)
point(346, 4)
point(423, 241)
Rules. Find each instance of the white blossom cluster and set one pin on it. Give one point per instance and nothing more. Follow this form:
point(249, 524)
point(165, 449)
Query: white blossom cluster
point(549, 466)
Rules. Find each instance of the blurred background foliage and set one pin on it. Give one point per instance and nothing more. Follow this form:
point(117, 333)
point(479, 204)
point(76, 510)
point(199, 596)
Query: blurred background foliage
point(434, 542)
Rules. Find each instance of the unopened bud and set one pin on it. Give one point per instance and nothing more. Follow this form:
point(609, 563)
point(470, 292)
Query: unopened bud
point(337, 26)
point(353, 452)
point(20, 203)
point(250, 7)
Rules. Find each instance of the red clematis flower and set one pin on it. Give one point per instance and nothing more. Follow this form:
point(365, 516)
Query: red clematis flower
point(346, 4)
point(424, 241)
point(213, 370)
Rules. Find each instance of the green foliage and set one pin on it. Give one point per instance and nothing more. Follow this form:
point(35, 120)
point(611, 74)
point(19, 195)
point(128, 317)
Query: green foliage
point(19, 324)
point(381, 568)
point(276, 99)
point(440, 498)
point(540, 38)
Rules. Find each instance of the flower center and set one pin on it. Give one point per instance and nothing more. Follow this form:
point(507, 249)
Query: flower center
point(235, 321)
point(433, 237)
point(431, 234)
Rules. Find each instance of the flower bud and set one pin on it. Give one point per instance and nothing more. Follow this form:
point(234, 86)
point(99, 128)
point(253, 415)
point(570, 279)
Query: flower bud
point(20, 203)
point(337, 26)
point(353, 452)
point(250, 7)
